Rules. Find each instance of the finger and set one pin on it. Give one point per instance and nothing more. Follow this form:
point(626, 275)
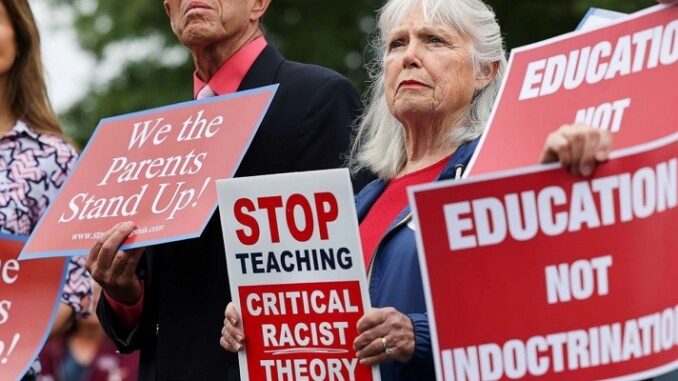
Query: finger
point(548, 154)
point(576, 140)
point(232, 323)
point(235, 331)
point(232, 314)
point(604, 146)
point(133, 258)
point(376, 359)
point(373, 348)
point(110, 246)
point(93, 256)
point(371, 336)
point(232, 334)
point(588, 156)
point(556, 148)
point(229, 346)
point(372, 318)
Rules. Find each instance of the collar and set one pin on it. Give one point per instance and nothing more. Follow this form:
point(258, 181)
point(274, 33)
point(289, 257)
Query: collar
point(457, 162)
point(20, 129)
point(230, 74)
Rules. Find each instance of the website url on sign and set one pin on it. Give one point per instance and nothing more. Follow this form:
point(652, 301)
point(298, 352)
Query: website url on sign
point(138, 231)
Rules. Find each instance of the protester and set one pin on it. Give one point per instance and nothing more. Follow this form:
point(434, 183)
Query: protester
point(171, 307)
point(36, 157)
point(440, 66)
point(85, 353)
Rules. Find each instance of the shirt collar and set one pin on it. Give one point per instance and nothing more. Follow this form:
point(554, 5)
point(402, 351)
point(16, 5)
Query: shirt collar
point(21, 129)
point(230, 74)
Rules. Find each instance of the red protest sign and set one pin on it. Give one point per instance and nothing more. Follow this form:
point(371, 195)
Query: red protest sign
point(155, 168)
point(306, 333)
point(535, 273)
point(29, 297)
point(620, 78)
point(297, 274)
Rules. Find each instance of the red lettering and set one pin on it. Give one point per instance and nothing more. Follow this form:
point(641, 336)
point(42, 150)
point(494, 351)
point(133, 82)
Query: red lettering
point(240, 209)
point(271, 203)
point(301, 235)
point(325, 216)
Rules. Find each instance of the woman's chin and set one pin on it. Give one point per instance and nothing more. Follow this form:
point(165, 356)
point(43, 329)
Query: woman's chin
point(413, 111)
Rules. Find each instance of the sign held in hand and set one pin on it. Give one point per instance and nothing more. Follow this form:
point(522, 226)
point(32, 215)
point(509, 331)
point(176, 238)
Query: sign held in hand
point(155, 168)
point(296, 273)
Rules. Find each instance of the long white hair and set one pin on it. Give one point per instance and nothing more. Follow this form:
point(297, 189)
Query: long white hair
point(379, 142)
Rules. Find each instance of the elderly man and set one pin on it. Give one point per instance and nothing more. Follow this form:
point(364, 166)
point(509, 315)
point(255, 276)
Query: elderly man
point(169, 302)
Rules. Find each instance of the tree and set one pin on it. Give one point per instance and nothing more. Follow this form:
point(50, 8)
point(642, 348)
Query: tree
point(329, 33)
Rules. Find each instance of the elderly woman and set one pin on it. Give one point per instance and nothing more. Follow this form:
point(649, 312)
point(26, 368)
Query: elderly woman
point(435, 81)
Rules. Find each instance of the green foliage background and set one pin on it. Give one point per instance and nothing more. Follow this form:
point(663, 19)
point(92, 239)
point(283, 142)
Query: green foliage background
point(332, 33)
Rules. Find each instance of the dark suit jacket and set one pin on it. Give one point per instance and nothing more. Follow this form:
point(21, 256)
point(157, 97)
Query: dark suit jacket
point(307, 127)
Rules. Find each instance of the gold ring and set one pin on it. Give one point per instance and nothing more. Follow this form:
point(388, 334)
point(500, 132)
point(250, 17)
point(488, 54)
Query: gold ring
point(388, 351)
point(383, 341)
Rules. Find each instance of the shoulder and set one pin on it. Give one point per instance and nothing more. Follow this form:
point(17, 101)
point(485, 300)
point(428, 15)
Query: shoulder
point(27, 135)
point(368, 195)
point(57, 143)
point(312, 77)
point(51, 152)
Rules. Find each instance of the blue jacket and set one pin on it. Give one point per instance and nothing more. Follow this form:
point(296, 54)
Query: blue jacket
point(394, 276)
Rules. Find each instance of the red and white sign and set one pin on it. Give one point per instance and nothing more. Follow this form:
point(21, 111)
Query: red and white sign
point(297, 275)
point(536, 273)
point(620, 78)
point(29, 296)
point(155, 168)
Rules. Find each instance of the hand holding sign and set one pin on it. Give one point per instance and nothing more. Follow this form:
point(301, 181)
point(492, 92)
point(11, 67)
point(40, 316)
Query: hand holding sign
point(115, 270)
point(385, 334)
point(297, 277)
point(155, 167)
point(578, 147)
point(232, 335)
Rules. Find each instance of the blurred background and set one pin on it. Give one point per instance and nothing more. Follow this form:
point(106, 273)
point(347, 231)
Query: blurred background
point(109, 57)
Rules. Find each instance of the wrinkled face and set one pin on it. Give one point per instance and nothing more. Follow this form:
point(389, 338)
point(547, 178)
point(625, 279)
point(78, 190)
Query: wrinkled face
point(428, 70)
point(8, 48)
point(202, 22)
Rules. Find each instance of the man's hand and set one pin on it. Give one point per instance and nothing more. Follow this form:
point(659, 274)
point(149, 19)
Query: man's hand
point(115, 270)
point(579, 148)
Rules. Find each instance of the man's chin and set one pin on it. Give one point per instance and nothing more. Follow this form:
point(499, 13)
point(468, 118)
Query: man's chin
point(197, 35)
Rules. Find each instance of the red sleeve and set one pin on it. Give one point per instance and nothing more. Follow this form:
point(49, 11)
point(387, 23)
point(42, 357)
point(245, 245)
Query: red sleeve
point(129, 316)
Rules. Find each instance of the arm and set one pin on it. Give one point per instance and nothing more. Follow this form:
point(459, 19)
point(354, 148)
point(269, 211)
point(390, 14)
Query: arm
point(76, 297)
point(115, 271)
point(63, 321)
point(423, 350)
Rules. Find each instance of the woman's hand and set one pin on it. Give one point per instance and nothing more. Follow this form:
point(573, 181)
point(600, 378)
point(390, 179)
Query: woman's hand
point(232, 336)
point(385, 334)
point(579, 148)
